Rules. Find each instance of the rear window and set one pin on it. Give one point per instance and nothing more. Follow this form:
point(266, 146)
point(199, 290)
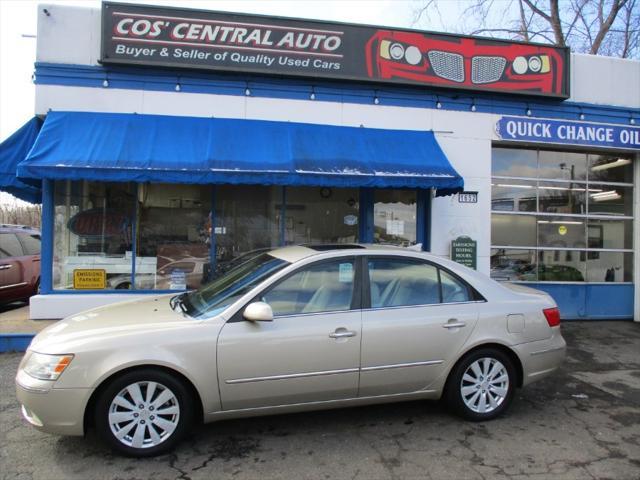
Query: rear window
point(10, 246)
point(30, 243)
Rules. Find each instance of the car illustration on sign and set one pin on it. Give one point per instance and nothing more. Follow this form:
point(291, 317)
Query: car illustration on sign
point(465, 62)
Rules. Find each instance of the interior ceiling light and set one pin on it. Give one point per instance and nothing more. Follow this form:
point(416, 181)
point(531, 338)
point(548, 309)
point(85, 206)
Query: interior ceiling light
point(616, 163)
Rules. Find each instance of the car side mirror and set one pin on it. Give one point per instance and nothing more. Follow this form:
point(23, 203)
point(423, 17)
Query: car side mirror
point(258, 312)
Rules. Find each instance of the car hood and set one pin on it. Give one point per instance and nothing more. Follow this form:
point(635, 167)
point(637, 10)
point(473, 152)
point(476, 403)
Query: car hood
point(105, 323)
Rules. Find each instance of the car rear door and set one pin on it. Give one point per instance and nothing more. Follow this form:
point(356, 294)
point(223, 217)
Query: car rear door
point(309, 352)
point(418, 320)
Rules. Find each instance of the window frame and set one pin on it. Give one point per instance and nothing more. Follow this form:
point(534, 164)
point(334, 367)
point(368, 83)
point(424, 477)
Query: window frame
point(473, 294)
point(356, 294)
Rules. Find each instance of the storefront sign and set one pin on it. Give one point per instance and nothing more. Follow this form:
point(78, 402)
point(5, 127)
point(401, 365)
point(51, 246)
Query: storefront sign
point(468, 197)
point(566, 132)
point(464, 250)
point(85, 279)
point(186, 38)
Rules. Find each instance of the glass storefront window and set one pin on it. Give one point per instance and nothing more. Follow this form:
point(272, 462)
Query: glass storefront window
point(578, 212)
point(246, 222)
point(562, 165)
point(611, 200)
point(610, 168)
point(173, 236)
point(321, 215)
point(510, 264)
point(513, 196)
point(394, 217)
point(93, 231)
point(516, 230)
point(556, 197)
point(565, 232)
point(609, 267)
point(513, 162)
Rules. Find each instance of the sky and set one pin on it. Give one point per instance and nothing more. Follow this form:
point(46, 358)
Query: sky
point(18, 28)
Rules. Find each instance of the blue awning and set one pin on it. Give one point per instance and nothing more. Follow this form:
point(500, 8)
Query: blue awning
point(13, 151)
point(155, 148)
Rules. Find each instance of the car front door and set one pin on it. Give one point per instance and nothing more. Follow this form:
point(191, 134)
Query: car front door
point(12, 276)
point(309, 352)
point(419, 318)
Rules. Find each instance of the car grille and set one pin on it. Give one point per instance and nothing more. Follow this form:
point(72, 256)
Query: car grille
point(447, 65)
point(487, 69)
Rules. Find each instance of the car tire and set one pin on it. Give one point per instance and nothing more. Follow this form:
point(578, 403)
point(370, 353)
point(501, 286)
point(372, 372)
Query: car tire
point(155, 424)
point(481, 385)
point(123, 286)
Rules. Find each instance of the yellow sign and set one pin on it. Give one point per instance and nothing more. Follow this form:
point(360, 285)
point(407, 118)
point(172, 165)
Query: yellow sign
point(562, 230)
point(93, 279)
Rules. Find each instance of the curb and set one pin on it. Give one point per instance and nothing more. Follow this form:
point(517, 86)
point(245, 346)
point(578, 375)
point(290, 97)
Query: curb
point(15, 342)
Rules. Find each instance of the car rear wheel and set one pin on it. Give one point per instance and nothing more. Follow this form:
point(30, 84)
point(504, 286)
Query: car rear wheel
point(143, 413)
point(481, 386)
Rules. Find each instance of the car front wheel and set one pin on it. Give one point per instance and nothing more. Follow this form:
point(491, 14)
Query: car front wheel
point(143, 413)
point(482, 385)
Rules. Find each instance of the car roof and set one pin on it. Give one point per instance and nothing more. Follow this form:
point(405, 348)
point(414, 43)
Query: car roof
point(9, 228)
point(296, 253)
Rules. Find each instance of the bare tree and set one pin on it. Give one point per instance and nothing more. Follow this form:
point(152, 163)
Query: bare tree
point(606, 27)
point(20, 213)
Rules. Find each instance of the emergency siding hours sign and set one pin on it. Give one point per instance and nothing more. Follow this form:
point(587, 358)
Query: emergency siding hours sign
point(569, 133)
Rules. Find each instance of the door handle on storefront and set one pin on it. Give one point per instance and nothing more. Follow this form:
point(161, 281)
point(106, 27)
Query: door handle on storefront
point(453, 323)
point(342, 333)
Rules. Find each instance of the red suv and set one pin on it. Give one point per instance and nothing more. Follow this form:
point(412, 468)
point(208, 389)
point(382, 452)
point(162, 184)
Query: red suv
point(19, 262)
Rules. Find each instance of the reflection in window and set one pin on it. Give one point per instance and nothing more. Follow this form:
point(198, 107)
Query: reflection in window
point(611, 200)
point(453, 290)
point(513, 162)
point(321, 215)
point(610, 168)
point(396, 283)
point(610, 267)
point(93, 230)
point(516, 230)
point(246, 222)
point(321, 287)
point(511, 264)
point(568, 232)
point(556, 197)
point(394, 217)
point(562, 165)
point(173, 236)
point(513, 196)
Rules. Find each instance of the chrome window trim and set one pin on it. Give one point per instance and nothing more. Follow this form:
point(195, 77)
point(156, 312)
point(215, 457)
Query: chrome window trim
point(290, 376)
point(564, 282)
point(422, 305)
point(311, 314)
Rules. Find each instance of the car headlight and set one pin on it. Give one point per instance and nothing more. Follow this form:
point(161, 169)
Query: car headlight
point(46, 367)
point(413, 55)
point(532, 64)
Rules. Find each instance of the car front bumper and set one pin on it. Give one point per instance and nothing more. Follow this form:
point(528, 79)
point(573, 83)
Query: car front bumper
point(541, 358)
point(49, 409)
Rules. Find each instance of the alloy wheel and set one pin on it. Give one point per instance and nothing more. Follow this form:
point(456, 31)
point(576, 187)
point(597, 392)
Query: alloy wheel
point(484, 385)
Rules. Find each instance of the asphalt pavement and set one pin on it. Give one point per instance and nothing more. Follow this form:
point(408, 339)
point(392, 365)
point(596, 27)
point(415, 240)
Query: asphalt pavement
point(583, 423)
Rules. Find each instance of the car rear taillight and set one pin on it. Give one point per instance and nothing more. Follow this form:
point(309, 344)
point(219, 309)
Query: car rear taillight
point(552, 315)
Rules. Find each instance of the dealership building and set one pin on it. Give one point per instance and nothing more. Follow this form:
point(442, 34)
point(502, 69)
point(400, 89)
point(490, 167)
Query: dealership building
point(170, 144)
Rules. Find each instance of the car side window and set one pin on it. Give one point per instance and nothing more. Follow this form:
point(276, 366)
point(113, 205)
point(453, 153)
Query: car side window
point(453, 290)
point(320, 287)
point(10, 246)
point(30, 243)
point(402, 282)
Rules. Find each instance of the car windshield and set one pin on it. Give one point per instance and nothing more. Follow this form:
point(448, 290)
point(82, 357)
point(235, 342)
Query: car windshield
point(214, 297)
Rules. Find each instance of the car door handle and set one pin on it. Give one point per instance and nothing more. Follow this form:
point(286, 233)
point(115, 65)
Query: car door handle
point(5, 267)
point(453, 323)
point(342, 333)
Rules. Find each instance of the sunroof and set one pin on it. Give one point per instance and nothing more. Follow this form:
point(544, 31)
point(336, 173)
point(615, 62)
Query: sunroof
point(322, 247)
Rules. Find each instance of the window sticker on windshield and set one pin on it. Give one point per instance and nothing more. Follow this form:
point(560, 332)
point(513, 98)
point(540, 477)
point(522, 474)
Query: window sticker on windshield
point(345, 273)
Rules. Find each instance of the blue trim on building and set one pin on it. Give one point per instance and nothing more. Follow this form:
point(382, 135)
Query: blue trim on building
point(591, 301)
point(423, 219)
point(365, 220)
point(213, 258)
point(15, 342)
point(324, 90)
point(46, 248)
